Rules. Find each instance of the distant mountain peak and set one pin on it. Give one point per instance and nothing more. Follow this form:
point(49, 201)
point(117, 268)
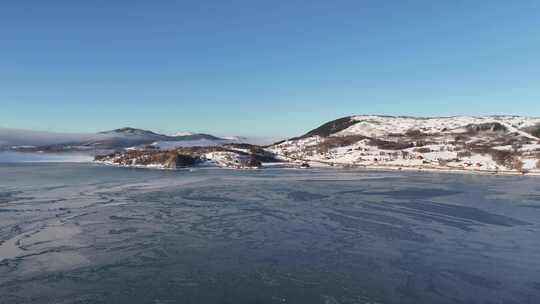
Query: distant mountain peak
point(130, 131)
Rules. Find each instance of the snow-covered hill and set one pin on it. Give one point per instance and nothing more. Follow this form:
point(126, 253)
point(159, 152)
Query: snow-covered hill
point(489, 143)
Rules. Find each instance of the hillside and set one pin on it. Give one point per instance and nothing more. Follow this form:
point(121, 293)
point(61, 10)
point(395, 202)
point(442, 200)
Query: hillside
point(489, 143)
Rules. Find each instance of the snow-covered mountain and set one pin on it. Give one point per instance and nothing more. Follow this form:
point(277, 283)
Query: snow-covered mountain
point(114, 139)
point(131, 137)
point(488, 143)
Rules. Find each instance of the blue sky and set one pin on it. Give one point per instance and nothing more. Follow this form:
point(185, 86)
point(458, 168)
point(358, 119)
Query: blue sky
point(267, 68)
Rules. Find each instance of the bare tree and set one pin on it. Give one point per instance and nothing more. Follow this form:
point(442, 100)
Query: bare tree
point(462, 154)
point(518, 165)
point(405, 154)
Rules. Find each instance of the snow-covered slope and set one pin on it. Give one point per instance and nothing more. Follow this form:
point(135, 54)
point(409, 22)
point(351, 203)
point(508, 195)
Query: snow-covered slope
point(382, 125)
point(489, 143)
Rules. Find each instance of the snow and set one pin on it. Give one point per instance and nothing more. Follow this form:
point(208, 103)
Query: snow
point(227, 159)
point(375, 126)
point(169, 145)
point(530, 163)
point(234, 138)
point(530, 147)
point(183, 134)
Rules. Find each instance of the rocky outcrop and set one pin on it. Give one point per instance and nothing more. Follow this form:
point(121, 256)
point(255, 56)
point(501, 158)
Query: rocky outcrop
point(241, 157)
point(149, 158)
point(179, 160)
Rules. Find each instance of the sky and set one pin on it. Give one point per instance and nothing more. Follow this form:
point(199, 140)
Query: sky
point(265, 68)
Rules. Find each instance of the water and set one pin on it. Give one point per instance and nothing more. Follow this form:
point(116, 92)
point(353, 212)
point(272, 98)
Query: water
point(83, 233)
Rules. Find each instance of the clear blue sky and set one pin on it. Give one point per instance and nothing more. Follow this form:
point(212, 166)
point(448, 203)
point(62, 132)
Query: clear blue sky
point(271, 68)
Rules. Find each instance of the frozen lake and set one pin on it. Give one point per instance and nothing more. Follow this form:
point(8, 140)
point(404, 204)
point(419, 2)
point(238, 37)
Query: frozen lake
point(83, 233)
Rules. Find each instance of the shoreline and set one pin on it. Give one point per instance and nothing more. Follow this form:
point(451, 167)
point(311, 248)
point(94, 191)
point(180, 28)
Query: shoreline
point(317, 164)
point(161, 167)
point(429, 169)
point(448, 170)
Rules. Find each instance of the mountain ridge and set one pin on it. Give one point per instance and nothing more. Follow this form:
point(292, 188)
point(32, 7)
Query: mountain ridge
point(112, 139)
